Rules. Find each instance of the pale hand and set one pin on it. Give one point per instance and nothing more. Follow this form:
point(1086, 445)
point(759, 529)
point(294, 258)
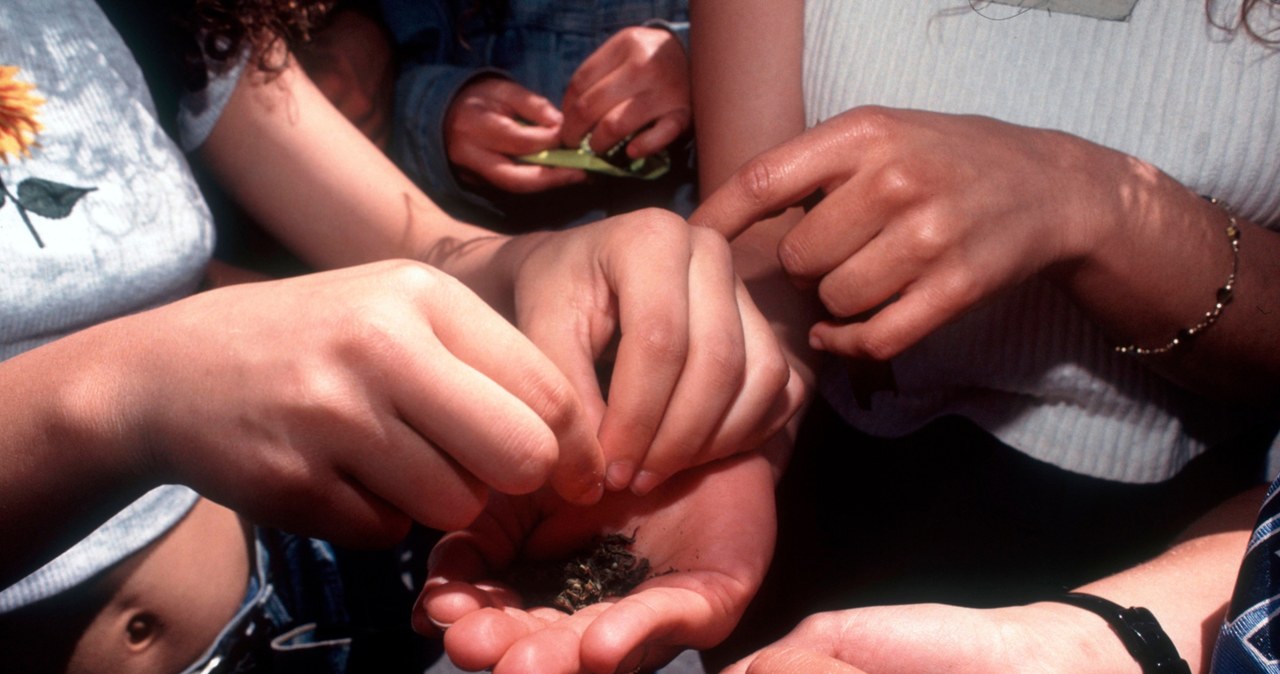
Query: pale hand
point(698, 373)
point(707, 534)
point(344, 404)
point(924, 638)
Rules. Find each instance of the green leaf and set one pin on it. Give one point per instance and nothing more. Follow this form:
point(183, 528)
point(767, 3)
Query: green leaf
point(49, 199)
point(613, 162)
point(648, 168)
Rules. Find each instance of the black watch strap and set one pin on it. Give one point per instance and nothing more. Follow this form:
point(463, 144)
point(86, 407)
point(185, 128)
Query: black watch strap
point(1137, 629)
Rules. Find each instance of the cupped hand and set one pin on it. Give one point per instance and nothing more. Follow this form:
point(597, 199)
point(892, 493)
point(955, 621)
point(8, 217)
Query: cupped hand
point(918, 638)
point(493, 120)
point(924, 215)
point(707, 534)
point(342, 404)
point(698, 373)
point(638, 78)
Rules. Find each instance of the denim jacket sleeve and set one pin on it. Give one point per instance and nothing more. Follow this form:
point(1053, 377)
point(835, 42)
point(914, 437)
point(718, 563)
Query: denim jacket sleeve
point(678, 28)
point(424, 92)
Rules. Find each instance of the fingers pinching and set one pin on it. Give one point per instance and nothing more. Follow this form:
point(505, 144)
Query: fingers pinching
point(714, 369)
point(517, 422)
point(651, 281)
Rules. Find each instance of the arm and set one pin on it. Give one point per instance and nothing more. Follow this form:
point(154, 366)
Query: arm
point(929, 214)
point(340, 404)
point(1187, 589)
point(746, 66)
point(351, 62)
point(691, 383)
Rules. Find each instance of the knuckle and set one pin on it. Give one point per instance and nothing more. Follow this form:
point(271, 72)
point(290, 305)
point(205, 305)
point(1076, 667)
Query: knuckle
point(927, 239)
point(835, 297)
point(726, 360)
point(757, 181)
point(580, 106)
point(658, 225)
point(662, 339)
point(706, 241)
point(774, 372)
point(794, 254)
point(555, 403)
point(894, 183)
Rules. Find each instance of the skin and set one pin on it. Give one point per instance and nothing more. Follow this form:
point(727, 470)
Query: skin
point(350, 61)
point(928, 215)
point(490, 123)
point(708, 533)
point(486, 626)
point(908, 197)
point(1186, 588)
point(632, 278)
point(148, 624)
point(344, 423)
point(638, 77)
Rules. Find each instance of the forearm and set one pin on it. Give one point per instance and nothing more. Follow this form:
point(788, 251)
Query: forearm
point(1152, 256)
point(66, 460)
point(1187, 588)
point(746, 64)
point(311, 179)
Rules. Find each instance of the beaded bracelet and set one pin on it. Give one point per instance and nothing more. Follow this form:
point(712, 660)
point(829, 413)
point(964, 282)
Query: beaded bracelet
point(1223, 296)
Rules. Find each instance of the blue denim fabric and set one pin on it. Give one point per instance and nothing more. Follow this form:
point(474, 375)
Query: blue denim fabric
point(295, 589)
point(300, 617)
point(539, 44)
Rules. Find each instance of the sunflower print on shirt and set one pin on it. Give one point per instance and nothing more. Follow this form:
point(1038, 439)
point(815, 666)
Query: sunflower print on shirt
point(18, 130)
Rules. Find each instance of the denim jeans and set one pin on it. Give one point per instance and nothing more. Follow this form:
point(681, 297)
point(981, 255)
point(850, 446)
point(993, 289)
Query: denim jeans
point(300, 616)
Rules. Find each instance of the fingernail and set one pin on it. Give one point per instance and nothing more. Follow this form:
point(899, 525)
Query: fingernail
point(645, 482)
point(618, 475)
point(442, 626)
point(815, 342)
point(633, 662)
point(594, 493)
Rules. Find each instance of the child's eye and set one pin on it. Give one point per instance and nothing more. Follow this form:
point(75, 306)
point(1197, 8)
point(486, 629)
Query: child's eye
point(141, 628)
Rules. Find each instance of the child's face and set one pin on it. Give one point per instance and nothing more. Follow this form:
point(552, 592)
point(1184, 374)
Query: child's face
point(172, 598)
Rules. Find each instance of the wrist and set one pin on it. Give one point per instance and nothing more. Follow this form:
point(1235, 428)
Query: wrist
point(1083, 640)
point(486, 263)
point(89, 422)
point(1136, 629)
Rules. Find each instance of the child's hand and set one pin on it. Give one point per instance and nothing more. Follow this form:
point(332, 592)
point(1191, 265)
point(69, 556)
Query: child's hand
point(707, 534)
point(493, 120)
point(343, 403)
point(638, 78)
point(698, 373)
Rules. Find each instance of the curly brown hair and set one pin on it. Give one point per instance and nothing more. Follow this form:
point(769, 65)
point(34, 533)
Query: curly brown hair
point(216, 33)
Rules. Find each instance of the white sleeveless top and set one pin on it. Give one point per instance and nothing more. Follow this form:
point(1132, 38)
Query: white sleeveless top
point(1163, 85)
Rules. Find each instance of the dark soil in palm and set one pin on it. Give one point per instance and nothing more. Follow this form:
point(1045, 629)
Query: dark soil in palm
point(607, 568)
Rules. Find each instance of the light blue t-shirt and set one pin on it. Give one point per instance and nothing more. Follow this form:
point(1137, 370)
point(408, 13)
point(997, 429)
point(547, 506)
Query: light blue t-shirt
point(102, 220)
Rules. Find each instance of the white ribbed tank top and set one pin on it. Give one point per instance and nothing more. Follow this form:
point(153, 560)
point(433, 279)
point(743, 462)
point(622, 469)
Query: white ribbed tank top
point(1164, 86)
